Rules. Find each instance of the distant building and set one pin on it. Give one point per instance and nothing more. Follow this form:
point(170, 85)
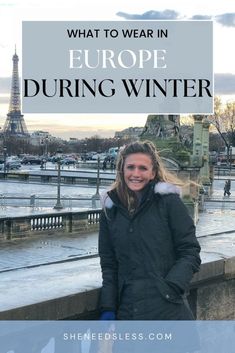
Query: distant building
point(40, 137)
point(129, 133)
point(73, 140)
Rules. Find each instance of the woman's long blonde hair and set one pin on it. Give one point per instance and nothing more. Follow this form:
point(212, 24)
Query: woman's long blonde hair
point(128, 197)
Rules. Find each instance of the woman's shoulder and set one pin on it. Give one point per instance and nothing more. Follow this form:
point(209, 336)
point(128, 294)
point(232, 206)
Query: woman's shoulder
point(107, 198)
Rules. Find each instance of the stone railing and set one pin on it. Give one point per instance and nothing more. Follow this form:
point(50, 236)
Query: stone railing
point(35, 201)
point(223, 171)
point(50, 176)
point(63, 222)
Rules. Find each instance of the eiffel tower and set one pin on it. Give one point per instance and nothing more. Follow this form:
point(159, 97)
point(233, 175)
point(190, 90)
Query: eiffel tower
point(15, 124)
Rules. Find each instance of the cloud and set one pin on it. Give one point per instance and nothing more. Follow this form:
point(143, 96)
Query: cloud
point(201, 17)
point(224, 84)
point(226, 19)
point(151, 15)
point(4, 4)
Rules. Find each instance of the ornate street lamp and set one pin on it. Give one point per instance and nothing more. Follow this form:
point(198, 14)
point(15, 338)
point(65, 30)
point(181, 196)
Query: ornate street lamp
point(84, 151)
point(46, 151)
point(58, 205)
point(5, 160)
point(96, 196)
point(46, 145)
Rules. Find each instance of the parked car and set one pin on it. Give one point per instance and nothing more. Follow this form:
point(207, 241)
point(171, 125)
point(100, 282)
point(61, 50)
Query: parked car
point(68, 161)
point(87, 156)
point(31, 160)
point(53, 159)
point(11, 165)
point(102, 156)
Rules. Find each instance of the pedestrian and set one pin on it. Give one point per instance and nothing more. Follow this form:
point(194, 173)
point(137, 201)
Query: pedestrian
point(112, 163)
point(104, 164)
point(227, 187)
point(147, 244)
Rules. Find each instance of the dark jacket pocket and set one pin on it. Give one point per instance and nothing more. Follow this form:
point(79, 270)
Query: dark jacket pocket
point(167, 292)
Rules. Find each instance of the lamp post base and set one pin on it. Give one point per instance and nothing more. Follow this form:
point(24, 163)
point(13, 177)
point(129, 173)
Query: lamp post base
point(95, 201)
point(58, 206)
point(96, 196)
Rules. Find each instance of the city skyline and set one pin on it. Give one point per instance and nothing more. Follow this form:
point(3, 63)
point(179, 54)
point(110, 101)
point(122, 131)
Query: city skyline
point(85, 125)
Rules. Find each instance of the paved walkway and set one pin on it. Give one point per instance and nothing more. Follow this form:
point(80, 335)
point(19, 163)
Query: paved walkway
point(29, 286)
point(45, 249)
point(214, 221)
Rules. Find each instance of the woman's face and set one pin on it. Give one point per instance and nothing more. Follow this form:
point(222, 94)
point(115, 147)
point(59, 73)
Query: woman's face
point(138, 171)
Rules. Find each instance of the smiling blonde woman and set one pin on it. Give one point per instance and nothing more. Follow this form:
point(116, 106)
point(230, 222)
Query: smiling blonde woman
point(147, 244)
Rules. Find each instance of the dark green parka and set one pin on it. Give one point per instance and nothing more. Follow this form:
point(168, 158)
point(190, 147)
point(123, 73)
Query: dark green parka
point(148, 258)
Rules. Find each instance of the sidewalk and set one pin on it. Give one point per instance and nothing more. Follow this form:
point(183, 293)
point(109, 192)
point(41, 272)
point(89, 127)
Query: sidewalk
point(215, 221)
point(35, 285)
point(43, 249)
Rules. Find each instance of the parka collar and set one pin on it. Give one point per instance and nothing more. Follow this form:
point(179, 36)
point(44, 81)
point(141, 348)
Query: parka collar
point(161, 188)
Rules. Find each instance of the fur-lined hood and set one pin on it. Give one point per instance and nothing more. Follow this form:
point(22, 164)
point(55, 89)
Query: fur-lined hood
point(162, 188)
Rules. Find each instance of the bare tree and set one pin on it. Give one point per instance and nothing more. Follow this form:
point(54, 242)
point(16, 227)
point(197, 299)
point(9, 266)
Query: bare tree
point(224, 122)
point(229, 121)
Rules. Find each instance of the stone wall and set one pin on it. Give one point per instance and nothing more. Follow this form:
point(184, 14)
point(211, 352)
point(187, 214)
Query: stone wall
point(215, 289)
point(216, 301)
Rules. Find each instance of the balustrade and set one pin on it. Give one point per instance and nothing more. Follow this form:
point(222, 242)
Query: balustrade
point(70, 222)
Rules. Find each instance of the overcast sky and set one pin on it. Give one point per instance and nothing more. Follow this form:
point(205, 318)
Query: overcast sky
point(12, 12)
